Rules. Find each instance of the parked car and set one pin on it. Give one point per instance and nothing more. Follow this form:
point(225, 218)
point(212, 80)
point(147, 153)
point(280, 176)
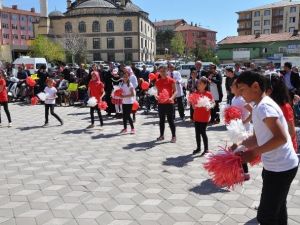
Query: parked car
point(185, 69)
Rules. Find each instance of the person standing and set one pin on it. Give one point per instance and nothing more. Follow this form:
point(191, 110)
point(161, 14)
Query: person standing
point(42, 75)
point(166, 108)
point(230, 77)
point(144, 73)
point(291, 80)
point(4, 98)
point(192, 87)
point(50, 92)
point(179, 90)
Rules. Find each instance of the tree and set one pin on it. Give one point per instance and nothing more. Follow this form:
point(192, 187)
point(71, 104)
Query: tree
point(163, 40)
point(178, 44)
point(205, 54)
point(75, 45)
point(46, 48)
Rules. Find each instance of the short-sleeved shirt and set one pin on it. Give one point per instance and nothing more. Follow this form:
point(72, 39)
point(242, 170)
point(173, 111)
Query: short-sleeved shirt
point(289, 116)
point(127, 91)
point(167, 84)
point(96, 89)
point(50, 95)
point(284, 157)
point(3, 93)
point(202, 114)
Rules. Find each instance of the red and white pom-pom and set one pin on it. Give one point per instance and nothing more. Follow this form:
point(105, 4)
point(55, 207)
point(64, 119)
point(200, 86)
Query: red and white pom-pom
point(152, 91)
point(145, 85)
point(205, 102)
point(152, 77)
point(30, 82)
point(117, 92)
point(193, 99)
point(92, 102)
point(237, 131)
point(102, 105)
point(232, 113)
point(163, 96)
point(225, 169)
point(42, 96)
point(34, 100)
point(135, 106)
point(255, 161)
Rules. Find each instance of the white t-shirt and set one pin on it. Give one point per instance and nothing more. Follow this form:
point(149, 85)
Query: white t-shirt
point(214, 91)
point(50, 95)
point(240, 103)
point(179, 82)
point(284, 157)
point(127, 91)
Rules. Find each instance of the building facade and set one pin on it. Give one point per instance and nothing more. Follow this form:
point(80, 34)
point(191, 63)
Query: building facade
point(113, 30)
point(277, 17)
point(165, 25)
point(16, 28)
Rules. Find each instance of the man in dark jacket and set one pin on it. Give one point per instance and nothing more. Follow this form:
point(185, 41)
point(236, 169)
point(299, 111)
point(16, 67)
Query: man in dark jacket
point(291, 79)
point(230, 77)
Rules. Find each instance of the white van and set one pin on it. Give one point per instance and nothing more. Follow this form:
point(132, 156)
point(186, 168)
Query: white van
point(185, 69)
point(31, 64)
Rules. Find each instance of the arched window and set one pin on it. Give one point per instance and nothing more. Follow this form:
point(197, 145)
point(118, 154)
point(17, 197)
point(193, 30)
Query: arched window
point(110, 26)
point(96, 26)
point(68, 27)
point(82, 27)
point(128, 25)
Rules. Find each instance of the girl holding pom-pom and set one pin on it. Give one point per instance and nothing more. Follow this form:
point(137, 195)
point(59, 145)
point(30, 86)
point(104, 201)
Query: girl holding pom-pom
point(202, 115)
point(4, 98)
point(96, 90)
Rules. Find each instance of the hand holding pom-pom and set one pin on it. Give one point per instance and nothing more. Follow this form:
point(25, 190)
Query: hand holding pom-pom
point(92, 102)
point(102, 105)
point(193, 99)
point(152, 91)
point(34, 100)
point(152, 77)
point(205, 102)
point(118, 93)
point(42, 96)
point(145, 85)
point(232, 113)
point(30, 82)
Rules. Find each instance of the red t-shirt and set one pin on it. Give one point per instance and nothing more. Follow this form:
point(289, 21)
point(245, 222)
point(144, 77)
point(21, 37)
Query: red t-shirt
point(3, 93)
point(202, 114)
point(96, 89)
point(289, 116)
point(166, 84)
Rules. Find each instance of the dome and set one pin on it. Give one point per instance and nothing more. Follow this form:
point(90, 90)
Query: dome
point(96, 3)
point(56, 14)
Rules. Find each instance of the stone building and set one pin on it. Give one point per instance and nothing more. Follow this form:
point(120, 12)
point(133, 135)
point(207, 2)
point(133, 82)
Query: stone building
point(113, 30)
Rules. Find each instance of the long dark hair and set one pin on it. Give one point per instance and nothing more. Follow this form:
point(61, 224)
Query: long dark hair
point(280, 93)
point(203, 80)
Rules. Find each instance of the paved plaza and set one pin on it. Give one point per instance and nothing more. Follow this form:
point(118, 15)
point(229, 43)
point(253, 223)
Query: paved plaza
point(72, 176)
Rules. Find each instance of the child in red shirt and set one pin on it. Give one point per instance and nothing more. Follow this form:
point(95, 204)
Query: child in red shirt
point(202, 116)
point(4, 98)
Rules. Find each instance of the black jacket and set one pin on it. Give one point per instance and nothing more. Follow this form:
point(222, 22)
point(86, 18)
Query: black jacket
point(295, 80)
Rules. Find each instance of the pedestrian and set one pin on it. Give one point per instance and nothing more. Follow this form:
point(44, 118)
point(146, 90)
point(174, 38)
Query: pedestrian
point(96, 90)
point(50, 92)
point(4, 98)
point(230, 77)
point(202, 116)
point(128, 98)
point(291, 80)
point(270, 140)
point(192, 87)
point(166, 108)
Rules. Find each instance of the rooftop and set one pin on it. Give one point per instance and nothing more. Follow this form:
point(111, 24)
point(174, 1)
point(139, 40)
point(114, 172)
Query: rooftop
point(274, 5)
point(168, 22)
point(19, 11)
point(190, 27)
point(262, 38)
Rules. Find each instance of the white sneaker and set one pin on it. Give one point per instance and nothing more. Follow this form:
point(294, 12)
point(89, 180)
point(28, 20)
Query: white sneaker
point(9, 124)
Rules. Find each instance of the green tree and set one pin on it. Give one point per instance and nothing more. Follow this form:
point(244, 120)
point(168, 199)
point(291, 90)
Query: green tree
point(178, 44)
point(205, 54)
point(46, 48)
point(163, 40)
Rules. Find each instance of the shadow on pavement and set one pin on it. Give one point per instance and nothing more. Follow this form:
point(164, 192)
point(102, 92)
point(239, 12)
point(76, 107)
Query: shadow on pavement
point(217, 128)
point(151, 123)
point(79, 131)
point(252, 222)
point(105, 136)
point(78, 114)
point(29, 128)
point(207, 187)
point(180, 161)
point(144, 146)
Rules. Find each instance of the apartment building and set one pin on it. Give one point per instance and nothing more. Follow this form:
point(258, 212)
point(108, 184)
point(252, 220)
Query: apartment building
point(278, 17)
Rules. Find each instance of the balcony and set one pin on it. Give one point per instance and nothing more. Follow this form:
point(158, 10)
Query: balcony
point(243, 29)
point(243, 19)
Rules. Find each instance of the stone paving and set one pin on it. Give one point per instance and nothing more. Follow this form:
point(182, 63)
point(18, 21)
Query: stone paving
point(72, 176)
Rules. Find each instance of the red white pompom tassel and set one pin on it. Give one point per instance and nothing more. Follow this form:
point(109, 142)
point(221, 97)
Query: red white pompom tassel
point(232, 113)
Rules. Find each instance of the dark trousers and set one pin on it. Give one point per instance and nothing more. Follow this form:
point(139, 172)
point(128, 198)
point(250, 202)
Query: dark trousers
point(5, 106)
point(191, 112)
point(51, 107)
point(272, 209)
point(200, 129)
point(126, 115)
point(163, 111)
point(180, 106)
point(92, 110)
point(215, 117)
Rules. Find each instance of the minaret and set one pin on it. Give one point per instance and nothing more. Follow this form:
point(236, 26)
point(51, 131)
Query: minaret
point(69, 3)
point(44, 8)
point(1, 2)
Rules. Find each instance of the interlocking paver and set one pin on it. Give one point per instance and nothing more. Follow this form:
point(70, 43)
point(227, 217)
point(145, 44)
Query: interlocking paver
point(72, 176)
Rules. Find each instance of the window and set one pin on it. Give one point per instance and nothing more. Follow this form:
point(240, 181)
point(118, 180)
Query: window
point(96, 43)
point(5, 16)
point(15, 17)
point(142, 42)
point(127, 25)
point(292, 19)
point(128, 57)
point(256, 31)
point(23, 18)
point(257, 14)
point(110, 26)
point(68, 27)
point(14, 27)
point(15, 36)
point(5, 26)
point(30, 28)
point(291, 29)
point(128, 42)
point(266, 22)
point(267, 12)
point(6, 36)
point(141, 26)
point(266, 31)
point(22, 27)
point(96, 26)
point(293, 9)
point(257, 23)
point(110, 43)
point(23, 37)
point(82, 27)
point(96, 56)
point(111, 57)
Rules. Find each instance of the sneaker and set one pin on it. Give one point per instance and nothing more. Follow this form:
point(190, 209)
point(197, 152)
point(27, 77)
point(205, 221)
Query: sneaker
point(62, 123)
point(173, 140)
point(246, 176)
point(124, 131)
point(196, 151)
point(132, 131)
point(9, 124)
point(161, 138)
point(46, 125)
point(90, 126)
